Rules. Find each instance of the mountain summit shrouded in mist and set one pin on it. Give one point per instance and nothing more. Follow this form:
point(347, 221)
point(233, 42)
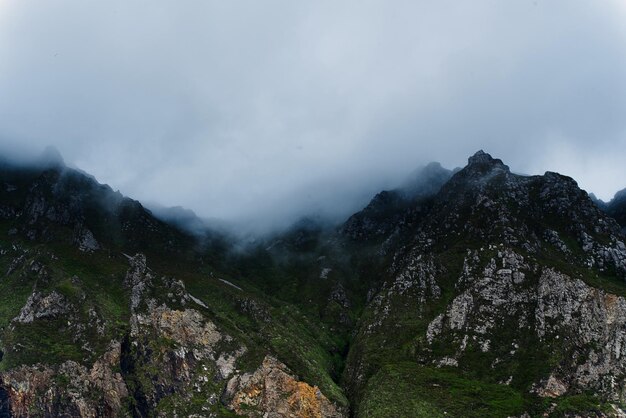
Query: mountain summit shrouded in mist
point(233, 109)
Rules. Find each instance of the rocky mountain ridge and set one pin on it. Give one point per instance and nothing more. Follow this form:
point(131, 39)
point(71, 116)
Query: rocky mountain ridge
point(482, 263)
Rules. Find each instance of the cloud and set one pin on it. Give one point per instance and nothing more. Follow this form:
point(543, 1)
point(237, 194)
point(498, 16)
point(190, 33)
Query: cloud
point(267, 110)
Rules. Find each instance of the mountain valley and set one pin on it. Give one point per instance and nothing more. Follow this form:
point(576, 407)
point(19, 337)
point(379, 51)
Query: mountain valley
point(473, 292)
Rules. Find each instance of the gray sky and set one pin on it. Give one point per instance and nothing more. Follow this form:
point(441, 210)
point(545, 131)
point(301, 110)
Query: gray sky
point(266, 109)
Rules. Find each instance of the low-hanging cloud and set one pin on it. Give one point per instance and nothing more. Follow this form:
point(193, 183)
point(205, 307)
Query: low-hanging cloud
point(263, 111)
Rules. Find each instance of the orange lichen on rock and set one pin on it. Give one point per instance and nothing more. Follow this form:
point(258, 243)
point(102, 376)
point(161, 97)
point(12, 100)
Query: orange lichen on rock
point(271, 391)
point(304, 400)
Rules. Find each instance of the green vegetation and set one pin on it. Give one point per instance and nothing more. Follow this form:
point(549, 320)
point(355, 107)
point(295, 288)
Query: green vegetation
point(409, 390)
point(580, 405)
point(49, 340)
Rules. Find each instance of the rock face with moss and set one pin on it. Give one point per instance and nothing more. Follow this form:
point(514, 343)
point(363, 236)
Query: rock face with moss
point(174, 361)
point(69, 389)
point(474, 293)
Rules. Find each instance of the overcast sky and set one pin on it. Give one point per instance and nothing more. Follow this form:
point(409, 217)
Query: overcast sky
point(267, 109)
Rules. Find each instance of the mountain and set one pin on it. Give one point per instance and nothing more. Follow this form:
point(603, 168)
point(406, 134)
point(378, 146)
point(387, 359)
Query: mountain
point(107, 311)
point(467, 293)
point(389, 209)
point(616, 208)
point(185, 219)
point(507, 295)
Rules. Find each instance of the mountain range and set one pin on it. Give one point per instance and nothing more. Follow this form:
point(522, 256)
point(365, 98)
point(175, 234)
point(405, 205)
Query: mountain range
point(473, 292)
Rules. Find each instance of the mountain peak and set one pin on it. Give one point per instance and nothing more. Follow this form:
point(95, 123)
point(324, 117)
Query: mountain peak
point(619, 196)
point(479, 156)
point(51, 158)
point(482, 159)
point(433, 166)
point(425, 181)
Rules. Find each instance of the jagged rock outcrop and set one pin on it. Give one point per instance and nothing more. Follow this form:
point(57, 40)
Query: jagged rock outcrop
point(586, 326)
point(37, 306)
point(173, 356)
point(85, 240)
point(591, 324)
point(196, 363)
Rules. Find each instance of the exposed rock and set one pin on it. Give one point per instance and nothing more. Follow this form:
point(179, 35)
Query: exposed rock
point(85, 240)
point(138, 279)
point(596, 323)
point(16, 263)
point(553, 238)
point(338, 294)
point(485, 268)
point(172, 356)
point(188, 327)
point(434, 328)
point(69, 389)
point(325, 272)
point(593, 321)
point(552, 388)
point(448, 361)
point(273, 392)
point(37, 306)
point(255, 310)
point(226, 362)
point(482, 159)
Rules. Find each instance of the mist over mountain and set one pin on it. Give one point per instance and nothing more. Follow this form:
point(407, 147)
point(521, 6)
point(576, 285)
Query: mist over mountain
point(232, 110)
point(421, 182)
